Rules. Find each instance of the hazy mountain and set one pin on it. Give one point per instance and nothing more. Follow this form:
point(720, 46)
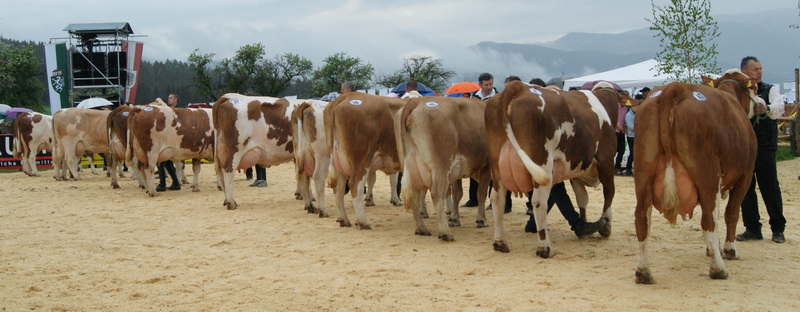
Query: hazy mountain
point(766, 35)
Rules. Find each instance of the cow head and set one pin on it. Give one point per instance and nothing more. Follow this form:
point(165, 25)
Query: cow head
point(739, 85)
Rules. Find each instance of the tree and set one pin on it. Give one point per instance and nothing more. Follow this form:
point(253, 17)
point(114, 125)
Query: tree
point(422, 69)
point(18, 73)
point(238, 71)
point(203, 75)
point(339, 68)
point(274, 77)
point(686, 33)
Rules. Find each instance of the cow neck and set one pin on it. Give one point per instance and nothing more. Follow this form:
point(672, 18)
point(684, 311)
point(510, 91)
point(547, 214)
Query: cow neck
point(756, 117)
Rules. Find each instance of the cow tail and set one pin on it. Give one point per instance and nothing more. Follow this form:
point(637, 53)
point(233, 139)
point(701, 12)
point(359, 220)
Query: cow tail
point(17, 147)
point(300, 136)
point(666, 112)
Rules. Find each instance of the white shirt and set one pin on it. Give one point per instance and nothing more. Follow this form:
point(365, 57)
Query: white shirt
point(776, 106)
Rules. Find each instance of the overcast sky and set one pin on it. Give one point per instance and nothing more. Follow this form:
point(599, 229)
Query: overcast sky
point(379, 32)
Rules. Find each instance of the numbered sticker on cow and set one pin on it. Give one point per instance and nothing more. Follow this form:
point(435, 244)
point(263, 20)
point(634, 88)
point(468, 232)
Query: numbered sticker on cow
point(432, 104)
point(655, 94)
point(699, 96)
point(355, 102)
point(537, 92)
point(147, 109)
point(235, 101)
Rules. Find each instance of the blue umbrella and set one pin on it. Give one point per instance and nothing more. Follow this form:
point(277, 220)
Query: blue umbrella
point(421, 88)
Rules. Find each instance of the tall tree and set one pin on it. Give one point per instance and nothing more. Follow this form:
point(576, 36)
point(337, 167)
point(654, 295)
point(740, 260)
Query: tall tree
point(423, 69)
point(273, 77)
point(18, 73)
point(339, 68)
point(203, 75)
point(237, 72)
point(686, 33)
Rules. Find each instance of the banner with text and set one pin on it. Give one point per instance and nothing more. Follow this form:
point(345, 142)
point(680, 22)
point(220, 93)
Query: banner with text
point(8, 161)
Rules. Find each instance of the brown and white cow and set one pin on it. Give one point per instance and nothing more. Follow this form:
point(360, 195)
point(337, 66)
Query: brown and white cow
point(311, 154)
point(77, 131)
point(158, 133)
point(34, 133)
point(251, 130)
point(360, 134)
point(117, 125)
point(695, 145)
point(442, 140)
point(538, 137)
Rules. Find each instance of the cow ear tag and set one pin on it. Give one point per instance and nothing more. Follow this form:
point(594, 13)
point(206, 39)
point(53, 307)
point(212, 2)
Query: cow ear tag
point(147, 109)
point(699, 96)
point(711, 83)
point(628, 103)
point(537, 92)
point(655, 94)
point(355, 102)
point(749, 84)
point(431, 104)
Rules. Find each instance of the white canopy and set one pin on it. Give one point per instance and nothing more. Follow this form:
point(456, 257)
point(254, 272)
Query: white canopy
point(638, 75)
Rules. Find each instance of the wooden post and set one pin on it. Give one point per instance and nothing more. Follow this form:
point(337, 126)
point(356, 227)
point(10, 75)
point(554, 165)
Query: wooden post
point(793, 136)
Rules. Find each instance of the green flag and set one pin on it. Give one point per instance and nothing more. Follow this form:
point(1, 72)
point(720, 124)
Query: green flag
point(58, 77)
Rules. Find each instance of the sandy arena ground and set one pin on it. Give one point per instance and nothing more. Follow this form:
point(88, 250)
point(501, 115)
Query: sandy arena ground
point(83, 246)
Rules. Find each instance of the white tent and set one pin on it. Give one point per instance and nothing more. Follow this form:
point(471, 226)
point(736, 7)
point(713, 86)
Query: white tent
point(638, 75)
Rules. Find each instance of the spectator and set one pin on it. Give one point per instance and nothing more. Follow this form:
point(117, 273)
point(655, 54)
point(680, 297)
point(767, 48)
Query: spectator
point(167, 165)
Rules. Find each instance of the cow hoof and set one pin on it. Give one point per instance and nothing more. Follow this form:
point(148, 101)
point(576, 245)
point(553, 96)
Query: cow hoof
point(481, 224)
point(729, 254)
point(311, 209)
point(195, 189)
point(544, 252)
point(369, 203)
point(397, 203)
point(231, 206)
point(323, 214)
point(721, 274)
point(446, 238)
point(500, 246)
point(605, 231)
point(219, 188)
point(644, 277)
point(454, 222)
point(344, 223)
point(108, 174)
point(298, 196)
point(363, 226)
point(422, 233)
point(424, 215)
point(113, 185)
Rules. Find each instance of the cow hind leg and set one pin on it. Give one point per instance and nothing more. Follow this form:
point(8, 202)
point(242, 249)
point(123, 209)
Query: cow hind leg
point(339, 194)
point(709, 224)
point(439, 194)
point(642, 221)
point(359, 204)
point(454, 193)
point(320, 173)
point(499, 243)
point(196, 171)
point(393, 179)
point(368, 200)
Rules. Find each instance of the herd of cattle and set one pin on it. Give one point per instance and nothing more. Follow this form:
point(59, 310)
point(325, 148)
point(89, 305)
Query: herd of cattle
point(694, 146)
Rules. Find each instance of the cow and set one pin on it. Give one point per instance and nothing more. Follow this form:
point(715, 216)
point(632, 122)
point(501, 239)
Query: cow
point(695, 145)
point(77, 131)
point(158, 133)
point(537, 137)
point(311, 154)
point(251, 130)
point(117, 125)
point(359, 132)
point(442, 140)
point(34, 133)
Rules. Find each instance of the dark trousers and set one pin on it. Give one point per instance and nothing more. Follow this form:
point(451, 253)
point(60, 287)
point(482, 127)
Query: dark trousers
point(169, 167)
point(766, 175)
point(620, 150)
point(559, 197)
point(261, 173)
point(473, 192)
point(630, 155)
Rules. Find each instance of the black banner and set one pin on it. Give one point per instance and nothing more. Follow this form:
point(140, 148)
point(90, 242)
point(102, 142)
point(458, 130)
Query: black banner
point(7, 161)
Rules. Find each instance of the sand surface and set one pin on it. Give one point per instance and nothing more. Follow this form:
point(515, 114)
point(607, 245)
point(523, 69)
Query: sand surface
point(83, 246)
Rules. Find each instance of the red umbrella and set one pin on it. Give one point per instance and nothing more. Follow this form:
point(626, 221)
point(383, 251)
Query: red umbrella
point(463, 87)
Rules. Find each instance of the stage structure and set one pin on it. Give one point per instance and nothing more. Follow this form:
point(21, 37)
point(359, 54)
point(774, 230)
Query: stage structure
point(96, 61)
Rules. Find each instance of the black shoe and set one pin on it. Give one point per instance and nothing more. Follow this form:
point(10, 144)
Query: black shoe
point(174, 187)
point(161, 188)
point(590, 228)
point(529, 211)
point(470, 203)
point(778, 238)
point(747, 235)
point(628, 173)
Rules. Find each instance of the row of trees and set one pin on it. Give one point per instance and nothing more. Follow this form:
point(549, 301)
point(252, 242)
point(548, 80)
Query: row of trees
point(250, 72)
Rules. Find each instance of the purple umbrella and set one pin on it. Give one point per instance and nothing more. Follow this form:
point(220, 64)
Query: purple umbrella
point(589, 85)
point(14, 111)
